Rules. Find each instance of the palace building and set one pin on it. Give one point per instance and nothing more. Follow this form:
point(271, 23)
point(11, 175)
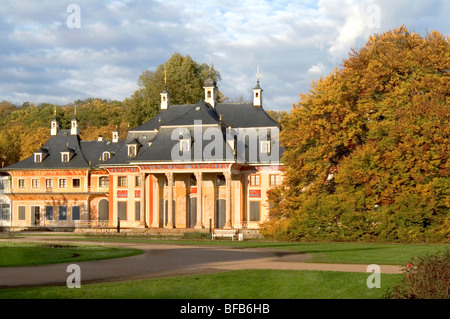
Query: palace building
point(204, 165)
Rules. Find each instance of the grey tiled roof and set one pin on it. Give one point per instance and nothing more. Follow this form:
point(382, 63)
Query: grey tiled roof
point(156, 141)
point(82, 154)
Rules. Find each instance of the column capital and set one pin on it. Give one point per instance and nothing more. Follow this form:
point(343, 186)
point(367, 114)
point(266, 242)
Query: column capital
point(169, 174)
point(198, 175)
point(227, 174)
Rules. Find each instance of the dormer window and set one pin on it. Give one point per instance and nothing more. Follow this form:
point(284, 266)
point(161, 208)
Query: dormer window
point(40, 155)
point(37, 157)
point(133, 147)
point(65, 156)
point(106, 156)
point(265, 147)
point(132, 150)
point(185, 145)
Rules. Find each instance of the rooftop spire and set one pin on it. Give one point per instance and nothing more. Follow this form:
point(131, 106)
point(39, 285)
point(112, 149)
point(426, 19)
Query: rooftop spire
point(257, 91)
point(164, 94)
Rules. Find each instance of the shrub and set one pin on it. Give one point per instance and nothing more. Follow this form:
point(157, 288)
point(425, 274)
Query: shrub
point(425, 278)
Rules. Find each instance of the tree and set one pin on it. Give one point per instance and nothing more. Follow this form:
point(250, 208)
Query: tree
point(366, 150)
point(181, 76)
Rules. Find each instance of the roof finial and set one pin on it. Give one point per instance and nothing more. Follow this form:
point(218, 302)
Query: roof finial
point(165, 76)
point(257, 74)
point(75, 111)
point(55, 111)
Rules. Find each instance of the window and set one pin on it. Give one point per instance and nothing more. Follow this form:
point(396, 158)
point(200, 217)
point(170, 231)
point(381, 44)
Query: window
point(4, 211)
point(4, 184)
point(138, 181)
point(185, 145)
point(76, 183)
point(220, 180)
point(106, 156)
point(122, 181)
point(265, 147)
point(22, 183)
point(132, 150)
point(192, 180)
point(137, 210)
point(38, 157)
point(62, 183)
point(254, 180)
point(254, 211)
point(49, 183)
point(35, 183)
point(62, 212)
point(122, 210)
point(21, 211)
point(274, 180)
point(64, 156)
point(103, 181)
point(75, 212)
point(49, 212)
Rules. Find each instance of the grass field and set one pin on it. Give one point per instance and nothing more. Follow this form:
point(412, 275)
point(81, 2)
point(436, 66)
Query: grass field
point(28, 254)
point(240, 284)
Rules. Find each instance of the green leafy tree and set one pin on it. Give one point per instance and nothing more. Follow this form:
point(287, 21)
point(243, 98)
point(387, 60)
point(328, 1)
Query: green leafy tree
point(181, 76)
point(367, 148)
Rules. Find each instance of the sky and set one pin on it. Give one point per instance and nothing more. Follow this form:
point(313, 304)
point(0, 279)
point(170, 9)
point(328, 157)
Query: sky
point(61, 51)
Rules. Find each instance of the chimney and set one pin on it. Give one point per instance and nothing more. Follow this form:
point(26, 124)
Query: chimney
point(115, 136)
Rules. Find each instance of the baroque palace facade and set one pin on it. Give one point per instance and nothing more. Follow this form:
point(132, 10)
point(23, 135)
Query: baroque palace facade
point(204, 165)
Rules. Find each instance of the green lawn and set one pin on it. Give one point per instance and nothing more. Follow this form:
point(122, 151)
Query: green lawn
point(27, 254)
point(241, 284)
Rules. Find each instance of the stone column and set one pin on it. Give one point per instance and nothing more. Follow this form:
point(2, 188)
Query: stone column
point(228, 201)
point(199, 177)
point(142, 200)
point(169, 176)
point(155, 200)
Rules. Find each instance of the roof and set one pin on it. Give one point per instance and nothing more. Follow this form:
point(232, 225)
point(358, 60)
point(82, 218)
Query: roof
point(244, 115)
point(158, 138)
point(83, 154)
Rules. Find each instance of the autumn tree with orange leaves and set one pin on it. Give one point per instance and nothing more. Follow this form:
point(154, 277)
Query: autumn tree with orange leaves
point(367, 149)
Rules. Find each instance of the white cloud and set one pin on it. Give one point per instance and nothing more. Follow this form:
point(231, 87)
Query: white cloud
point(292, 41)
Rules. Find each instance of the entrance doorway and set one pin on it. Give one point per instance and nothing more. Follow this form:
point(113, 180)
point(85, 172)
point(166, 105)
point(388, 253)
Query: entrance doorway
point(220, 213)
point(192, 213)
point(103, 210)
point(35, 216)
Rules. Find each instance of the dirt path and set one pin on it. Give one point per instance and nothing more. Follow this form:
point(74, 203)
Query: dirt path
point(164, 260)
